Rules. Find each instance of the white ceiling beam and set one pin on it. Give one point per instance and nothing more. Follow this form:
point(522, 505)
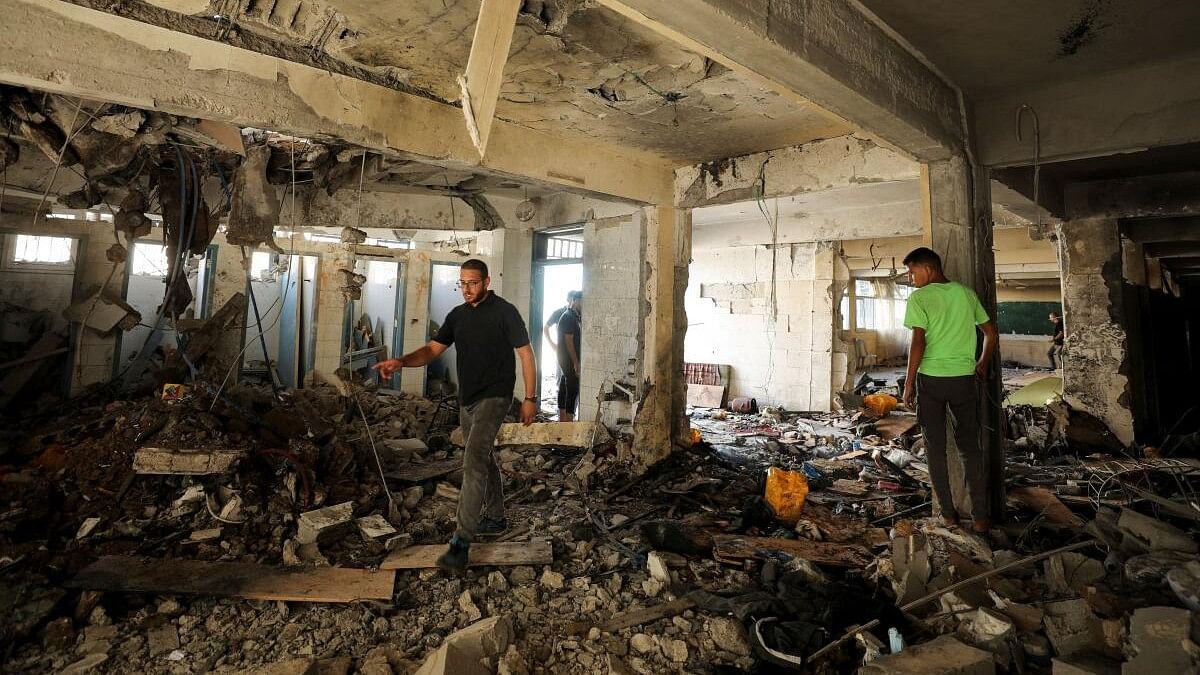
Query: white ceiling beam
point(66, 49)
point(485, 67)
point(825, 52)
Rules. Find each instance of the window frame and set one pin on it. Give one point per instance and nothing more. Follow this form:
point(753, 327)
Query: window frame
point(11, 264)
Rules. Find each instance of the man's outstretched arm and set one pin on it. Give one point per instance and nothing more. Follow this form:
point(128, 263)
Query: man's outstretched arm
point(991, 341)
point(414, 359)
point(916, 351)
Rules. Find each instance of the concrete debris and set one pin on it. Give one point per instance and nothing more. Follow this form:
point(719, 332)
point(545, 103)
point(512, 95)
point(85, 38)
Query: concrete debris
point(255, 211)
point(1072, 627)
point(374, 526)
point(1153, 534)
point(942, 656)
point(471, 650)
point(324, 525)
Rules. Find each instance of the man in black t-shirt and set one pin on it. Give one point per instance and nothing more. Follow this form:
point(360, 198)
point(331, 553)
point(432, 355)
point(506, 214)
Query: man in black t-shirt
point(569, 330)
point(1056, 342)
point(552, 322)
point(490, 335)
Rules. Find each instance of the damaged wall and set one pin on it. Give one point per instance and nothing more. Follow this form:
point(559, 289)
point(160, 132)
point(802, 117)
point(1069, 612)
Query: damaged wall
point(780, 348)
point(1095, 372)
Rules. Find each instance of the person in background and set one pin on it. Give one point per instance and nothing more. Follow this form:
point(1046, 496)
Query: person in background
point(1056, 342)
point(553, 321)
point(569, 335)
point(943, 373)
point(490, 336)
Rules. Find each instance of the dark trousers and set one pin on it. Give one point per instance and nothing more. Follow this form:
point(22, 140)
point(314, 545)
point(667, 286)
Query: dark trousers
point(1055, 351)
point(959, 395)
point(568, 391)
point(482, 492)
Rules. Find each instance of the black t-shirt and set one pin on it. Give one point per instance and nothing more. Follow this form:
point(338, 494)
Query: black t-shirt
point(555, 316)
point(568, 324)
point(486, 336)
point(1058, 328)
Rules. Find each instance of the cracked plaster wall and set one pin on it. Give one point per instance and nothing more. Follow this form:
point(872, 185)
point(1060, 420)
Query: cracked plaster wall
point(781, 352)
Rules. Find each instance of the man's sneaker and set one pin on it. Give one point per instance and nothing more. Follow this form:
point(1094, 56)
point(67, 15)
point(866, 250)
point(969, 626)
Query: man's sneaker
point(455, 557)
point(492, 526)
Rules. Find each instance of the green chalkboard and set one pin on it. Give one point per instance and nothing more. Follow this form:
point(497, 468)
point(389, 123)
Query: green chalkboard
point(1026, 318)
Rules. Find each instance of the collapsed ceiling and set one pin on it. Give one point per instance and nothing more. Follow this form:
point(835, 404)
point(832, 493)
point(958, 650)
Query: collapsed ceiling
point(574, 68)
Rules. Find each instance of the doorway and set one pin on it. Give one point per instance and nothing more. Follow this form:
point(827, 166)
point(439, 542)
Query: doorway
point(557, 270)
point(145, 286)
point(441, 376)
point(280, 338)
point(377, 317)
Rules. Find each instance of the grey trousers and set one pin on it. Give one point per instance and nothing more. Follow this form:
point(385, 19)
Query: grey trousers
point(1055, 351)
point(482, 492)
point(960, 395)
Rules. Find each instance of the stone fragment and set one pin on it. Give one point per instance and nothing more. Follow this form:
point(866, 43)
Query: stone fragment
point(1072, 627)
point(1185, 582)
point(553, 580)
point(512, 663)
point(497, 582)
point(412, 497)
point(1069, 572)
point(467, 605)
point(297, 666)
point(446, 491)
point(658, 567)
point(465, 652)
point(643, 644)
point(324, 525)
point(942, 656)
point(205, 535)
point(729, 635)
point(398, 542)
point(163, 640)
point(1158, 636)
point(676, 650)
point(87, 527)
point(374, 527)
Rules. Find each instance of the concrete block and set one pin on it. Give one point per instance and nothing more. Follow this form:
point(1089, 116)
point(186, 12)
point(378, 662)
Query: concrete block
point(1072, 627)
point(324, 525)
point(464, 652)
point(943, 656)
point(1157, 636)
point(1153, 534)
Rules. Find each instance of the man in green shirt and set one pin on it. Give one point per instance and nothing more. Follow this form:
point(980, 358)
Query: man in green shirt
point(942, 372)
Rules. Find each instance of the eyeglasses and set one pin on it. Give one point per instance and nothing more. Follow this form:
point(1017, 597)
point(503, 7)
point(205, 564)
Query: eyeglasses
point(463, 283)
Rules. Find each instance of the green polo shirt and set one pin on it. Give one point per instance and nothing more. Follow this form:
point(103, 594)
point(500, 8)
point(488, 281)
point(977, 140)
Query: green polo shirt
point(949, 313)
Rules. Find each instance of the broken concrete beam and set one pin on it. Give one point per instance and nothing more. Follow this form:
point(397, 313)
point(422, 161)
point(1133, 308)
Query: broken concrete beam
point(472, 650)
point(324, 525)
point(556, 434)
point(374, 527)
point(189, 462)
point(509, 553)
point(943, 656)
point(1158, 636)
point(1153, 534)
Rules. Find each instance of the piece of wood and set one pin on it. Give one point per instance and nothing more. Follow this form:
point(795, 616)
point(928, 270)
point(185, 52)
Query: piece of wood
point(623, 620)
point(138, 574)
point(419, 473)
point(734, 549)
point(183, 462)
point(705, 395)
point(536, 552)
point(561, 434)
point(1046, 502)
point(485, 66)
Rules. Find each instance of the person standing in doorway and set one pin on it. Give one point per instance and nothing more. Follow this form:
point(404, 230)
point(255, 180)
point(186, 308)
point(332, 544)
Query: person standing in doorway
point(1056, 342)
point(569, 335)
point(552, 322)
point(943, 373)
point(490, 336)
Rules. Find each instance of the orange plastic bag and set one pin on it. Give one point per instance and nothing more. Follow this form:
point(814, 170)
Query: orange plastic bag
point(880, 404)
point(786, 492)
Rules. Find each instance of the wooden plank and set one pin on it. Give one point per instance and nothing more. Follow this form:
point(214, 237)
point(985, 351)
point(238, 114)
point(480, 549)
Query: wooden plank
point(734, 549)
point(705, 395)
point(637, 617)
point(419, 473)
point(536, 552)
point(565, 434)
point(485, 66)
point(138, 574)
point(1046, 502)
point(183, 462)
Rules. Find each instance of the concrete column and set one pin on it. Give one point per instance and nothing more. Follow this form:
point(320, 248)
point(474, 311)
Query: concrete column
point(660, 420)
point(958, 225)
point(1095, 361)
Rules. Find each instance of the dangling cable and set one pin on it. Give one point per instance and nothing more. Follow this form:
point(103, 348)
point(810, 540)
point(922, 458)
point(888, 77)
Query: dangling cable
point(1037, 155)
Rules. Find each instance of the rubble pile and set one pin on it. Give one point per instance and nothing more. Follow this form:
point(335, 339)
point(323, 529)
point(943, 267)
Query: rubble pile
point(779, 542)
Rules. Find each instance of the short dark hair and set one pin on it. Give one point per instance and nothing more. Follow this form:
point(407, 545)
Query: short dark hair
point(1055, 314)
point(575, 295)
point(476, 264)
point(923, 256)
